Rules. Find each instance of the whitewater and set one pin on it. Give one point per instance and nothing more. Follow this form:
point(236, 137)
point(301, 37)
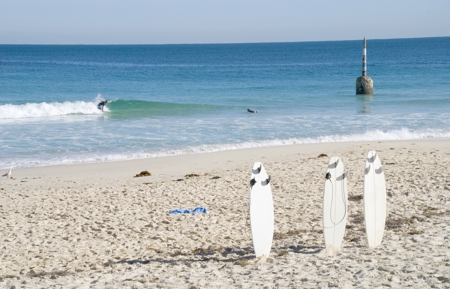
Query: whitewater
point(77, 132)
point(191, 99)
point(40, 110)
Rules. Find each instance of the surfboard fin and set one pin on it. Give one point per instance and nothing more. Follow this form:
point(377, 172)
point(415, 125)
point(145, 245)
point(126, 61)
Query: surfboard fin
point(252, 183)
point(267, 181)
point(342, 177)
point(328, 176)
point(257, 170)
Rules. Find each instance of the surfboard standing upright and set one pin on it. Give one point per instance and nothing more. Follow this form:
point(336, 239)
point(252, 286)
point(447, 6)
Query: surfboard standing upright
point(261, 210)
point(374, 199)
point(335, 204)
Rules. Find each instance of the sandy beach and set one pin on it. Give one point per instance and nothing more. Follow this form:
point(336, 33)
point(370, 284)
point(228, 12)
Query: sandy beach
point(98, 226)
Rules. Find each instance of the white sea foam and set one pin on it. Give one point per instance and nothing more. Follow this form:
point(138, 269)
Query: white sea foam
point(44, 109)
point(376, 135)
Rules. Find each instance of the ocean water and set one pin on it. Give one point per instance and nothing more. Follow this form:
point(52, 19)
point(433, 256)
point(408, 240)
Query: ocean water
point(184, 99)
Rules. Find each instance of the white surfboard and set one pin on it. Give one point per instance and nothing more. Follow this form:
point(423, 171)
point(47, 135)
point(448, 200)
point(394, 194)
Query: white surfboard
point(374, 199)
point(335, 197)
point(261, 210)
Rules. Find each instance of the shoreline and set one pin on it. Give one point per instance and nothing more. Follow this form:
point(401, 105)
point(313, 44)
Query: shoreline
point(166, 167)
point(189, 151)
point(96, 225)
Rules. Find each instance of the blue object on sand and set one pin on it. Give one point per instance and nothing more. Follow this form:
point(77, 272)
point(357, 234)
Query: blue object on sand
point(187, 211)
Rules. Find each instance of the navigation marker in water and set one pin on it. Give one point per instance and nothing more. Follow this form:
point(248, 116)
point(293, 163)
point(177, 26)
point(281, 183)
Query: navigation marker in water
point(364, 84)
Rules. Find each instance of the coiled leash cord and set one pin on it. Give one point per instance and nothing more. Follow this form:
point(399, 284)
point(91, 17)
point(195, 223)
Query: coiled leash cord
point(328, 177)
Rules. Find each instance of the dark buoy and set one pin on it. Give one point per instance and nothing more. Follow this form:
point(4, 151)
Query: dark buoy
point(364, 84)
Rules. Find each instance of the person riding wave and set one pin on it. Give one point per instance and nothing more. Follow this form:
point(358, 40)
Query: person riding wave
point(102, 104)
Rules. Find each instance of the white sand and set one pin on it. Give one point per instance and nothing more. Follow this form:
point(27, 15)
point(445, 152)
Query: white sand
point(94, 225)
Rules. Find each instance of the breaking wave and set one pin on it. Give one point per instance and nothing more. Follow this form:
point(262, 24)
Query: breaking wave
point(44, 109)
point(117, 108)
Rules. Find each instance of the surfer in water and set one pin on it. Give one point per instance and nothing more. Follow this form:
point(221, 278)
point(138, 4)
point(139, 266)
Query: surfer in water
point(251, 111)
point(102, 104)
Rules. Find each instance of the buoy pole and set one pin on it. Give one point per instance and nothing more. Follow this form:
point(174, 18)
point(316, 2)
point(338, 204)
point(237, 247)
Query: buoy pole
point(364, 63)
point(364, 84)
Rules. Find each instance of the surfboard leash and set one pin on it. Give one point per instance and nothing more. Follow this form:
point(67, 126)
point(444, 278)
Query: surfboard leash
point(328, 178)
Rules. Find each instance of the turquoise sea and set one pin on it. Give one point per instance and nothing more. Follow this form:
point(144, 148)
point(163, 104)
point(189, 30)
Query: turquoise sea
point(187, 99)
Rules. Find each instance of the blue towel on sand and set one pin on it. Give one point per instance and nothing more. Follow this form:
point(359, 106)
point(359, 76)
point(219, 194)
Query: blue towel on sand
point(187, 211)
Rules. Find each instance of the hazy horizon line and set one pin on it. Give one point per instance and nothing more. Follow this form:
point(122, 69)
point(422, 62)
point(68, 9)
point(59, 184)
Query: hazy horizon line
point(218, 43)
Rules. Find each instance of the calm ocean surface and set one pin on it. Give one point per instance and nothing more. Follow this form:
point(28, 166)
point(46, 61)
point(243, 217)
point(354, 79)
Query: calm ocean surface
point(183, 99)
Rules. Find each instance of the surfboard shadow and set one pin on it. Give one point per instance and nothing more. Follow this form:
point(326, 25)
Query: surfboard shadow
point(306, 250)
point(238, 251)
point(243, 255)
point(367, 170)
point(180, 261)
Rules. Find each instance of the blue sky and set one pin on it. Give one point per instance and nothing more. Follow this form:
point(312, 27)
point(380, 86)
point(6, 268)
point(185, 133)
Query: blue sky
point(217, 21)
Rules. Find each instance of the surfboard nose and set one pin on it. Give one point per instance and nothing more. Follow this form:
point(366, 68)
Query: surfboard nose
point(371, 156)
point(256, 168)
point(334, 164)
